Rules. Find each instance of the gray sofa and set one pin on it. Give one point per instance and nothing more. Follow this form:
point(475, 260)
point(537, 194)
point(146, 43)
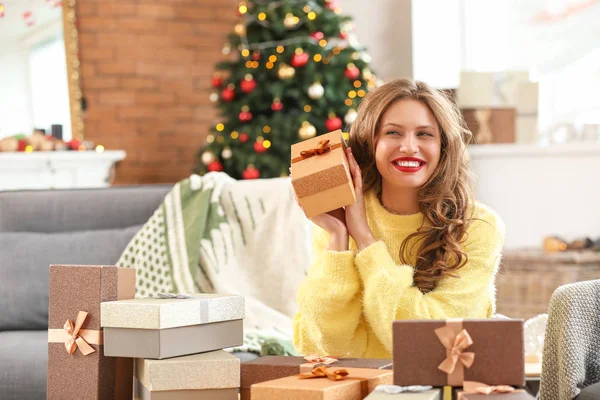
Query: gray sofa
point(39, 228)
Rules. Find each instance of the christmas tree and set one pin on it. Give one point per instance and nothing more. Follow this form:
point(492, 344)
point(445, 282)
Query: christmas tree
point(297, 71)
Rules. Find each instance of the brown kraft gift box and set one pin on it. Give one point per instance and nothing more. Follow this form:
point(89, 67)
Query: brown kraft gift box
point(497, 352)
point(481, 391)
point(356, 386)
point(74, 291)
point(321, 174)
point(273, 367)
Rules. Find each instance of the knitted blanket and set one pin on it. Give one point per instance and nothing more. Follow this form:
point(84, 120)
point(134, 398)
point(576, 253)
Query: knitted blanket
point(571, 359)
point(213, 234)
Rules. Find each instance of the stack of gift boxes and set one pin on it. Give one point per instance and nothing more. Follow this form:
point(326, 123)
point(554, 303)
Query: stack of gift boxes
point(105, 344)
point(432, 360)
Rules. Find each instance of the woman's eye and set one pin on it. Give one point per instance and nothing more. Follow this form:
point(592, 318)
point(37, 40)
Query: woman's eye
point(391, 133)
point(425, 134)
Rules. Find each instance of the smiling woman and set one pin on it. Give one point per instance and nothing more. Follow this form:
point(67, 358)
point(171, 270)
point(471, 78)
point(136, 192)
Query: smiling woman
point(415, 245)
point(39, 69)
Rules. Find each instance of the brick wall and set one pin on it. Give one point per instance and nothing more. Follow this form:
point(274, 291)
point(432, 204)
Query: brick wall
point(145, 72)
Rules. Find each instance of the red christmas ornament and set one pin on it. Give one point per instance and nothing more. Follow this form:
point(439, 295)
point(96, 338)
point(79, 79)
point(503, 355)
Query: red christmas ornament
point(248, 84)
point(317, 35)
point(277, 105)
point(331, 5)
point(251, 173)
point(343, 35)
point(259, 148)
point(245, 116)
point(216, 81)
point(333, 123)
point(256, 55)
point(73, 144)
point(23, 143)
point(228, 94)
point(215, 166)
point(352, 72)
point(300, 59)
point(243, 137)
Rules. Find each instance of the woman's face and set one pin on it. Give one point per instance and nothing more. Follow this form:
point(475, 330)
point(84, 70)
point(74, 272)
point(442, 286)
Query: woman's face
point(408, 145)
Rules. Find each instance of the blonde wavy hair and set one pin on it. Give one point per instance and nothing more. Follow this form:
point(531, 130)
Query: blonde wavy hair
point(445, 199)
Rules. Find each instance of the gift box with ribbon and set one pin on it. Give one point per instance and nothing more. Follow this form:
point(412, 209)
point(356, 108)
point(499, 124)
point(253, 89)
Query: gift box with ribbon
point(77, 365)
point(273, 367)
point(480, 391)
point(393, 392)
point(208, 376)
point(325, 383)
point(321, 174)
point(441, 353)
point(172, 325)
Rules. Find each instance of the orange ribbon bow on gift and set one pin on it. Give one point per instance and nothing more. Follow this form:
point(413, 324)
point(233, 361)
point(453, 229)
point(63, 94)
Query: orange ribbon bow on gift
point(321, 372)
point(322, 147)
point(455, 346)
point(472, 387)
point(321, 360)
point(75, 341)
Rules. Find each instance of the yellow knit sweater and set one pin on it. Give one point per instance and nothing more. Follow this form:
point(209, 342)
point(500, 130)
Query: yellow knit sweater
point(348, 301)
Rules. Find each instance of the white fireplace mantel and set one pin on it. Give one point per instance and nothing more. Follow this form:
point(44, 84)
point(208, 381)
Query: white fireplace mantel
point(57, 169)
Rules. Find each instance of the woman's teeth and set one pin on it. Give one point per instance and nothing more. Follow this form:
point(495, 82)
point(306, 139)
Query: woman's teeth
point(409, 164)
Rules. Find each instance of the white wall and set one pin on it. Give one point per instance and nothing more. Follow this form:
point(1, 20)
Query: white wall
point(385, 28)
point(15, 108)
point(407, 38)
point(540, 191)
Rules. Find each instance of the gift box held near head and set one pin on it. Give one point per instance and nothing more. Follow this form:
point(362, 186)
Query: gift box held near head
point(171, 327)
point(321, 174)
point(441, 353)
point(77, 365)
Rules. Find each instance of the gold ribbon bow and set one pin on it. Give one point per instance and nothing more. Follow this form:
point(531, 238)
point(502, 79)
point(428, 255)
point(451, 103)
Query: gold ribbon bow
point(321, 372)
point(472, 387)
point(322, 147)
point(455, 346)
point(75, 341)
point(321, 360)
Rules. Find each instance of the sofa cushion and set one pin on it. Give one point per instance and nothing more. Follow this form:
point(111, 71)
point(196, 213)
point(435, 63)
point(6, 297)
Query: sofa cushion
point(71, 210)
point(591, 392)
point(24, 264)
point(24, 363)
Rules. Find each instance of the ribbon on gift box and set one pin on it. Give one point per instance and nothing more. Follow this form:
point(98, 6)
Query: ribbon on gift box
point(322, 148)
point(173, 296)
point(472, 387)
point(395, 389)
point(455, 339)
point(337, 375)
point(182, 296)
point(315, 360)
point(76, 338)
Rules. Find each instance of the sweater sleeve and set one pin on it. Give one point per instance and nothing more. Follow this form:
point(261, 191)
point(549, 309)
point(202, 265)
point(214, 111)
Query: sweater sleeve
point(390, 295)
point(329, 319)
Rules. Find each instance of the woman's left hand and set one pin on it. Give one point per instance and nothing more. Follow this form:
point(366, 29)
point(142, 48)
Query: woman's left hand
point(356, 214)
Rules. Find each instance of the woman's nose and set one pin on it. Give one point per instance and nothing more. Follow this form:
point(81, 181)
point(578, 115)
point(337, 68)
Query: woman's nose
point(409, 145)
